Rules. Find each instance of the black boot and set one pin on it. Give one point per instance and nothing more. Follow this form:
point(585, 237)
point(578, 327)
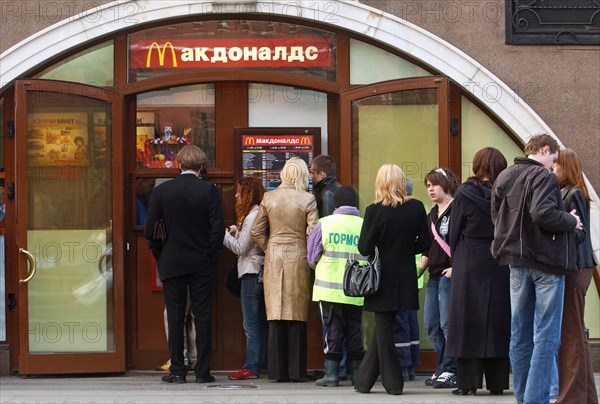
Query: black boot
point(354, 365)
point(331, 378)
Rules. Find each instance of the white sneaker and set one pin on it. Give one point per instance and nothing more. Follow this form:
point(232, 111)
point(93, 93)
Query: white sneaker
point(446, 380)
point(431, 380)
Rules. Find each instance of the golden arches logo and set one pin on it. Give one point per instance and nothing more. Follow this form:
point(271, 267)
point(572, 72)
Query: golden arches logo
point(305, 140)
point(250, 141)
point(161, 53)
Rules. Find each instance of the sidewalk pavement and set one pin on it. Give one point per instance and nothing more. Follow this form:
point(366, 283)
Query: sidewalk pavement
point(147, 388)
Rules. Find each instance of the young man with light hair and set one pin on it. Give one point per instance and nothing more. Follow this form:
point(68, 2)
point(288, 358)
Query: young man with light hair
point(534, 235)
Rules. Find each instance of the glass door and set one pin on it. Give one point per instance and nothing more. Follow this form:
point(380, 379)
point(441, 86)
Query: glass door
point(70, 256)
point(408, 123)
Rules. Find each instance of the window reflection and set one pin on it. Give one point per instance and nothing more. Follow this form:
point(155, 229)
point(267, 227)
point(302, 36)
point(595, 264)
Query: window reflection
point(144, 186)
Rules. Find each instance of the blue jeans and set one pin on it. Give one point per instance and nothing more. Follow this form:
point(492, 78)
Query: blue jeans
point(437, 301)
point(536, 305)
point(255, 323)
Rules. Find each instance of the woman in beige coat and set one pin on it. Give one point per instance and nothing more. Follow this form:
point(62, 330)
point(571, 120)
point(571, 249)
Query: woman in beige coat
point(285, 217)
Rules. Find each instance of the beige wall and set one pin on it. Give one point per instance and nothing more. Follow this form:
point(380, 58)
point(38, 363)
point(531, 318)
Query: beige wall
point(560, 83)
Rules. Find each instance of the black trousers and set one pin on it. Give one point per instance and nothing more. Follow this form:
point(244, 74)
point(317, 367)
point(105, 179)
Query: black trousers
point(342, 323)
point(469, 373)
point(201, 286)
point(381, 358)
point(287, 350)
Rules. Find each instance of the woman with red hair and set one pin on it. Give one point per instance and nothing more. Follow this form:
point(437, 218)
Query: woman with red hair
point(575, 373)
point(248, 195)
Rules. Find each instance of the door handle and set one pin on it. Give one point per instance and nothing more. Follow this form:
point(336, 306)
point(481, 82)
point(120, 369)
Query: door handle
point(32, 265)
point(103, 257)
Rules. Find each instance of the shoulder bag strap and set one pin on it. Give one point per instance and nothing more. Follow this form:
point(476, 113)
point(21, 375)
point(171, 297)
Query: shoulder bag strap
point(440, 240)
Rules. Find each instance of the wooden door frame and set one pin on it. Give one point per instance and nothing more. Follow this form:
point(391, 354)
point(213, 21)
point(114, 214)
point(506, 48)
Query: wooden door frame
point(449, 154)
point(57, 363)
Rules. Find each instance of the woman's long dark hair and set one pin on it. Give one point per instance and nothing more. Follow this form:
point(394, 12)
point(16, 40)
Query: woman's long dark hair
point(488, 163)
point(251, 193)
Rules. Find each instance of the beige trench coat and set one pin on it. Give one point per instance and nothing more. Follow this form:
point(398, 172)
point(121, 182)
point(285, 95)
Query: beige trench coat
point(284, 219)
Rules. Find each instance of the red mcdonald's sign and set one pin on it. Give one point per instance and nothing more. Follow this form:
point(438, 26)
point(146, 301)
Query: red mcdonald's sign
point(230, 53)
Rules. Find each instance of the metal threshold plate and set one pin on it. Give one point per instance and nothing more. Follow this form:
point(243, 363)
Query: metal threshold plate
point(232, 386)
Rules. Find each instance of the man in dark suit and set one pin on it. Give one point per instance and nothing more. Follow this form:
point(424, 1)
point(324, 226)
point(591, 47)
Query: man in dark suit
point(190, 208)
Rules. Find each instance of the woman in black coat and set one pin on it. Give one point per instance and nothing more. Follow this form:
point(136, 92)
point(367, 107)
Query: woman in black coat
point(479, 316)
point(397, 226)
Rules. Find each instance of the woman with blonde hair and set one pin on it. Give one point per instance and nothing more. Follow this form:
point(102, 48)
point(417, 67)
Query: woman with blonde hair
point(576, 375)
point(285, 216)
point(396, 225)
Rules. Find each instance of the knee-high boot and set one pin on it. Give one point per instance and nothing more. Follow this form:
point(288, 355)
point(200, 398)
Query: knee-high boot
point(331, 378)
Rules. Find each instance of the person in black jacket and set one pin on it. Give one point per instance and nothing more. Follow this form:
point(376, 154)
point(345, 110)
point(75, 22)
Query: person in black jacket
point(397, 226)
point(479, 316)
point(576, 375)
point(533, 234)
point(441, 186)
point(190, 208)
point(322, 170)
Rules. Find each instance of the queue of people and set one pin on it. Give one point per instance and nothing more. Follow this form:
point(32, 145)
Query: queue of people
point(499, 250)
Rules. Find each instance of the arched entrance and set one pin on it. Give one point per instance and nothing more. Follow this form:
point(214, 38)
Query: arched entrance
point(344, 102)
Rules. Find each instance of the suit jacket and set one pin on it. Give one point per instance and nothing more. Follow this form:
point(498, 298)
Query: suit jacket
point(284, 218)
point(191, 210)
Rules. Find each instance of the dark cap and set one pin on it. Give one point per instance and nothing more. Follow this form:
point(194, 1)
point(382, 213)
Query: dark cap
point(345, 196)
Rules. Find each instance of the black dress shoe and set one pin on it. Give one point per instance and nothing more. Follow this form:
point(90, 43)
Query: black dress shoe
point(171, 378)
point(464, 392)
point(207, 379)
point(496, 392)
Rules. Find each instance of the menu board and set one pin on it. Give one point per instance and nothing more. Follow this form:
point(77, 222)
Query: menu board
point(264, 151)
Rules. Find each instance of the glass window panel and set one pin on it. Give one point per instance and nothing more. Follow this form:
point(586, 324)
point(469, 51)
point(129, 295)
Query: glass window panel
point(399, 128)
point(93, 66)
point(144, 186)
point(282, 106)
point(369, 64)
point(479, 131)
point(69, 205)
point(188, 47)
point(169, 119)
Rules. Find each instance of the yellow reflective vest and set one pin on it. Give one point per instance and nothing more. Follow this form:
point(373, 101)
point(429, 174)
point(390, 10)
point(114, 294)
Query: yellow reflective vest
point(340, 234)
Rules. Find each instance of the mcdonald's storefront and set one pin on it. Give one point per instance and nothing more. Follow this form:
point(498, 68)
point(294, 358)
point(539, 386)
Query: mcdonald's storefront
point(90, 127)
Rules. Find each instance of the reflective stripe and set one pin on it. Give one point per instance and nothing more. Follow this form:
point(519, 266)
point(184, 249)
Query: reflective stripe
point(328, 285)
point(406, 344)
point(345, 255)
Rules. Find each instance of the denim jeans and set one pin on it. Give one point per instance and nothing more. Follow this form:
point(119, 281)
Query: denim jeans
point(536, 304)
point(255, 323)
point(437, 301)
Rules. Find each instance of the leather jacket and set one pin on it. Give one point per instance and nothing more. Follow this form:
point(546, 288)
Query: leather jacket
point(532, 228)
point(575, 199)
point(323, 191)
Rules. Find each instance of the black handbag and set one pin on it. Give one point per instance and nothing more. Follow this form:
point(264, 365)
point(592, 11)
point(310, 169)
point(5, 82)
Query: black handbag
point(233, 283)
point(362, 279)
